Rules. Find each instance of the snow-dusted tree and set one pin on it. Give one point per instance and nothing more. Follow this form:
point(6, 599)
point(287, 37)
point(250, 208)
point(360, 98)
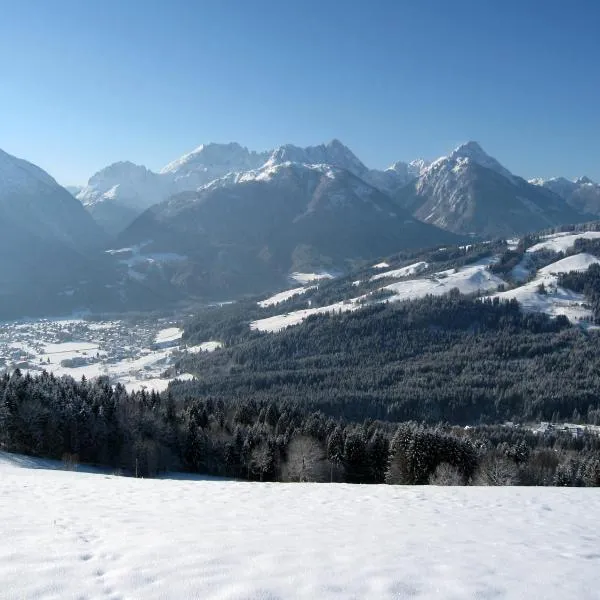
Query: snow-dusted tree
point(261, 461)
point(335, 454)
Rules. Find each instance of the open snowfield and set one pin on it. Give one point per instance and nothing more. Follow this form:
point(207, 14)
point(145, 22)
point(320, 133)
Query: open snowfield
point(283, 296)
point(305, 278)
point(72, 535)
point(556, 300)
point(413, 269)
point(472, 279)
point(561, 242)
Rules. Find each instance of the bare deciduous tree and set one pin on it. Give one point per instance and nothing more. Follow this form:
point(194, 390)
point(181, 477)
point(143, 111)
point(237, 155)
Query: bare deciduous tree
point(305, 461)
point(446, 474)
point(496, 470)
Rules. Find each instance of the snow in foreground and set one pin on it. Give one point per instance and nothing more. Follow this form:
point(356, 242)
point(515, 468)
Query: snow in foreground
point(79, 535)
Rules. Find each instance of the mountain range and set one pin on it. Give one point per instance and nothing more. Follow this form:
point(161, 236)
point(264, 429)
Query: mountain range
point(582, 193)
point(223, 220)
point(119, 193)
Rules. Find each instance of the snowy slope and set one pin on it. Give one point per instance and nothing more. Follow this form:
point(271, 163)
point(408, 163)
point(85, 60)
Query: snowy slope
point(413, 269)
point(561, 242)
point(283, 296)
point(474, 279)
point(577, 262)
point(469, 280)
point(556, 300)
point(79, 535)
point(305, 278)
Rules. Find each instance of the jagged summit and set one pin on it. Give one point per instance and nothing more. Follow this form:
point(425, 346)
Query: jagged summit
point(333, 153)
point(473, 151)
point(216, 156)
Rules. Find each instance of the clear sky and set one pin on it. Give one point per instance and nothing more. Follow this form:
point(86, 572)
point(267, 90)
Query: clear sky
point(84, 83)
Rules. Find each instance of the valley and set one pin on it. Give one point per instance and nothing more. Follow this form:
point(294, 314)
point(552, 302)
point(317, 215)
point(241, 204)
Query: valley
point(134, 353)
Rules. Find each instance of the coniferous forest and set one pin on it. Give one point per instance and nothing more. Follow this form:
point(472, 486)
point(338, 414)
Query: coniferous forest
point(409, 393)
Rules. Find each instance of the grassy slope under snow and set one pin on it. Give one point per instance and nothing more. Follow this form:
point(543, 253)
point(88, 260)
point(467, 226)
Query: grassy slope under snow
point(81, 535)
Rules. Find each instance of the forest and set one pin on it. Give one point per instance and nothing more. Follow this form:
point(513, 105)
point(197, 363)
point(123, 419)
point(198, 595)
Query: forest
point(439, 359)
point(144, 435)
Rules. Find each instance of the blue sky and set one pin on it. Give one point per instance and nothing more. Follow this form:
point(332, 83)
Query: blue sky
point(84, 83)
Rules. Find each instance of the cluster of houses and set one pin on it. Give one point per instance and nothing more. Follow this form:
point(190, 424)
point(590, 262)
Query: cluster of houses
point(575, 429)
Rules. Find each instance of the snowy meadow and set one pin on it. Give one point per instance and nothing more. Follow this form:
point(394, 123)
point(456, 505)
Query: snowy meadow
point(75, 535)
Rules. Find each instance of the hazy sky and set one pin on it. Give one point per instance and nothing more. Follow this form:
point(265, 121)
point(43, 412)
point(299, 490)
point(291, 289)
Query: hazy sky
point(84, 83)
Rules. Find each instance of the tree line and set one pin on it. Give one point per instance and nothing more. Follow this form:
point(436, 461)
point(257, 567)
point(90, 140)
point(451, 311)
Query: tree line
point(146, 434)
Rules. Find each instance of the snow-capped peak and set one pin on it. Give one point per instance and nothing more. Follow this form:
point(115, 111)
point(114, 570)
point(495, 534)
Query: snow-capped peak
point(584, 180)
point(131, 184)
point(473, 151)
point(334, 153)
point(213, 156)
point(16, 173)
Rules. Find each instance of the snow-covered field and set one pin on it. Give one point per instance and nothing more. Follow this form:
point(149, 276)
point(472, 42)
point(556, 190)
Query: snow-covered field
point(305, 278)
point(472, 279)
point(133, 354)
point(555, 300)
point(413, 269)
point(468, 280)
point(283, 296)
point(71, 535)
point(561, 242)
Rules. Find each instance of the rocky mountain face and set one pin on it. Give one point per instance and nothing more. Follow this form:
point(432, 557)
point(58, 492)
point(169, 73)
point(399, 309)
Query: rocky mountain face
point(469, 192)
point(582, 193)
point(249, 232)
point(116, 195)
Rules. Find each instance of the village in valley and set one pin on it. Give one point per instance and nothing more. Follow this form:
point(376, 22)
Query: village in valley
point(138, 354)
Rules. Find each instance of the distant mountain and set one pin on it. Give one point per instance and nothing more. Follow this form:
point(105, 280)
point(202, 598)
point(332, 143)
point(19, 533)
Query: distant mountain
point(209, 162)
point(45, 234)
point(250, 230)
point(336, 154)
point(470, 192)
point(582, 193)
point(116, 195)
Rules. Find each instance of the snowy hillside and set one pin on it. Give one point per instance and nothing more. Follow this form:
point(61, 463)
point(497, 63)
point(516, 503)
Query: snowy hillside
point(543, 294)
point(561, 242)
point(474, 279)
point(84, 535)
